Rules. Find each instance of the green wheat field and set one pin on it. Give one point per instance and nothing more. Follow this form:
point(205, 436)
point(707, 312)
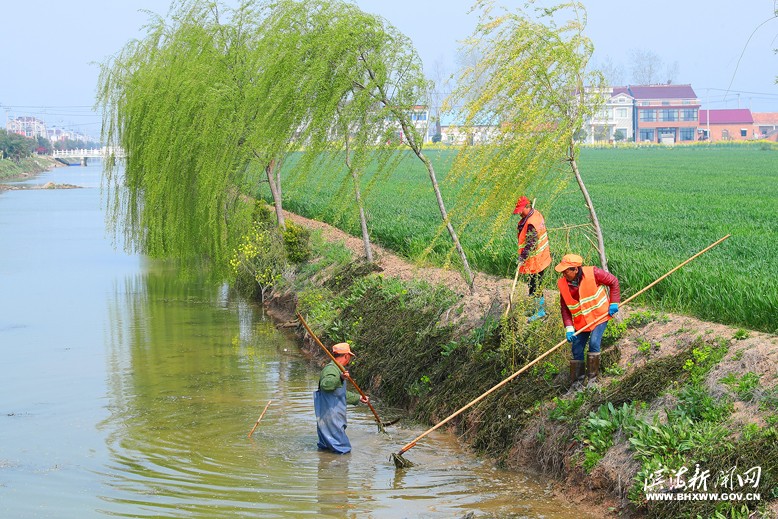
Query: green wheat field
point(657, 206)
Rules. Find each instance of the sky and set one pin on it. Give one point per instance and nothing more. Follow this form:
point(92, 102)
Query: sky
point(723, 49)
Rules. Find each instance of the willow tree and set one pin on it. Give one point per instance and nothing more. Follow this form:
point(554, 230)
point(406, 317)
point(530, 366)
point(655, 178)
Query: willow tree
point(392, 75)
point(198, 104)
point(532, 86)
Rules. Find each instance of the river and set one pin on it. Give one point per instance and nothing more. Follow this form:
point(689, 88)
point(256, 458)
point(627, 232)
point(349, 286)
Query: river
point(128, 392)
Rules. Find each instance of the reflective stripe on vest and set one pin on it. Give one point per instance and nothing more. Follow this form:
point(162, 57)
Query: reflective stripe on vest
point(540, 257)
point(592, 304)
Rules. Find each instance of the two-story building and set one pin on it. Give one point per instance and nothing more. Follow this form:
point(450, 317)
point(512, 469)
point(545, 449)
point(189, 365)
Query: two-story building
point(613, 122)
point(665, 113)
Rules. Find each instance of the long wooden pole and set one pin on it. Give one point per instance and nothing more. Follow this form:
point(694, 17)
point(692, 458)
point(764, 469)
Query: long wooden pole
point(412, 443)
point(342, 369)
point(260, 418)
point(515, 279)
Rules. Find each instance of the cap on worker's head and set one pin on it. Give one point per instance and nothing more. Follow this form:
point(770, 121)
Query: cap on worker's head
point(521, 204)
point(342, 348)
point(569, 260)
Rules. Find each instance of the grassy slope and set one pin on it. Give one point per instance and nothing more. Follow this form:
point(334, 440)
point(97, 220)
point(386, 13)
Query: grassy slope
point(658, 206)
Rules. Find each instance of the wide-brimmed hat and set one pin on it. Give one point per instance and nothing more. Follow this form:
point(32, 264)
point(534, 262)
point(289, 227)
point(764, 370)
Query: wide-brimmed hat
point(342, 348)
point(569, 260)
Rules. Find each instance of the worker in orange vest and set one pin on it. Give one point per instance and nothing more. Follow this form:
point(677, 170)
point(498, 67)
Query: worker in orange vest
point(589, 297)
point(534, 254)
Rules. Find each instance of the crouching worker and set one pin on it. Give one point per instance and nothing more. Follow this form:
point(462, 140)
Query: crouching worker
point(589, 297)
point(329, 402)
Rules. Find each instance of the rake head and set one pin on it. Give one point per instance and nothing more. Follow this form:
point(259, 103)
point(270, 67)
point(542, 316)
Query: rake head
point(400, 462)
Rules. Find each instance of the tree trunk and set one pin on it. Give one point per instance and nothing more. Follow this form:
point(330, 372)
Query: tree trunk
point(416, 147)
point(360, 204)
point(275, 189)
point(590, 205)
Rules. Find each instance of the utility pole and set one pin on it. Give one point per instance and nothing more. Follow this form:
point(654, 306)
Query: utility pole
point(707, 94)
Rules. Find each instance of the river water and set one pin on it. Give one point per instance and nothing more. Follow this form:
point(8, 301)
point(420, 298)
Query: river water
point(125, 391)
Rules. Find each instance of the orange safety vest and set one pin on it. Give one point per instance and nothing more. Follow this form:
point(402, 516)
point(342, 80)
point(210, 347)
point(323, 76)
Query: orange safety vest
point(592, 304)
point(540, 257)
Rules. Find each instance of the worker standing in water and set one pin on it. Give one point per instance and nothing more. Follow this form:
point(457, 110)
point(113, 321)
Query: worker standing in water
point(534, 253)
point(330, 399)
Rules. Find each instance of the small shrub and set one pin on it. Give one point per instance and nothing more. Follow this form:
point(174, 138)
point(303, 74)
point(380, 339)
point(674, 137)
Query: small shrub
point(564, 409)
point(647, 347)
point(704, 357)
point(260, 256)
point(297, 242)
point(741, 334)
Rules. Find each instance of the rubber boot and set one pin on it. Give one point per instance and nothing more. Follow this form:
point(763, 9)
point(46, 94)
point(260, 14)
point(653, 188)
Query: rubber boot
point(593, 368)
point(541, 312)
point(576, 374)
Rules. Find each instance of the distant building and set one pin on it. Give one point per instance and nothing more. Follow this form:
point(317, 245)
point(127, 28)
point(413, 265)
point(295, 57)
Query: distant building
point(665, 113)
point(458, 135)
point(766, 124)
point(735, 124)
point(27, 126)
point(614, 121)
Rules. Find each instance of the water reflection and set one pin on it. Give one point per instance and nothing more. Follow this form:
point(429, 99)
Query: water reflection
point(334, 492)
point(128, 392)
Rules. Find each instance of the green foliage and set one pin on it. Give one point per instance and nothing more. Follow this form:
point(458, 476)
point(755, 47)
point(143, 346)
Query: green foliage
point(741, 334)
point(696, 403)
point(238, 92)
point(615, 330)
point(704, 357)
point(529, 84)
point(261, 256)
point(745, 387)
point(639, 319)
point(566, 409)
point(15, 147)
point(647, 347)
point(296, 242)
point(598, 429)
point(614, 371)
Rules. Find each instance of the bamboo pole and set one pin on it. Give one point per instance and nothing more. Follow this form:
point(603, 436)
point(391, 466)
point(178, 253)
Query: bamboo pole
point(381, 425)
point(398, 457)
point(515, 279)
point(260, 418)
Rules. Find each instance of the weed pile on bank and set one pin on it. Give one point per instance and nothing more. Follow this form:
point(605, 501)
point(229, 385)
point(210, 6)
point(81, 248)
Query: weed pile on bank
point(649, 427)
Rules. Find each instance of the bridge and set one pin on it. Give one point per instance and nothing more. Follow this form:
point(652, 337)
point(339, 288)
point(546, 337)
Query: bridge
point(83, 155)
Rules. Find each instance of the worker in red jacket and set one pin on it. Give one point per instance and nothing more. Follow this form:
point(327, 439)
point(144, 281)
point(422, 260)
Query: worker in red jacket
point(534, 254)
point(589, 297)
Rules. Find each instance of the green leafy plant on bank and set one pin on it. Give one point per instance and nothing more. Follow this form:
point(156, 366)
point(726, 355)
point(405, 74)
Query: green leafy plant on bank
point(745, 387)
point(704, 357)
point(260, 256)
